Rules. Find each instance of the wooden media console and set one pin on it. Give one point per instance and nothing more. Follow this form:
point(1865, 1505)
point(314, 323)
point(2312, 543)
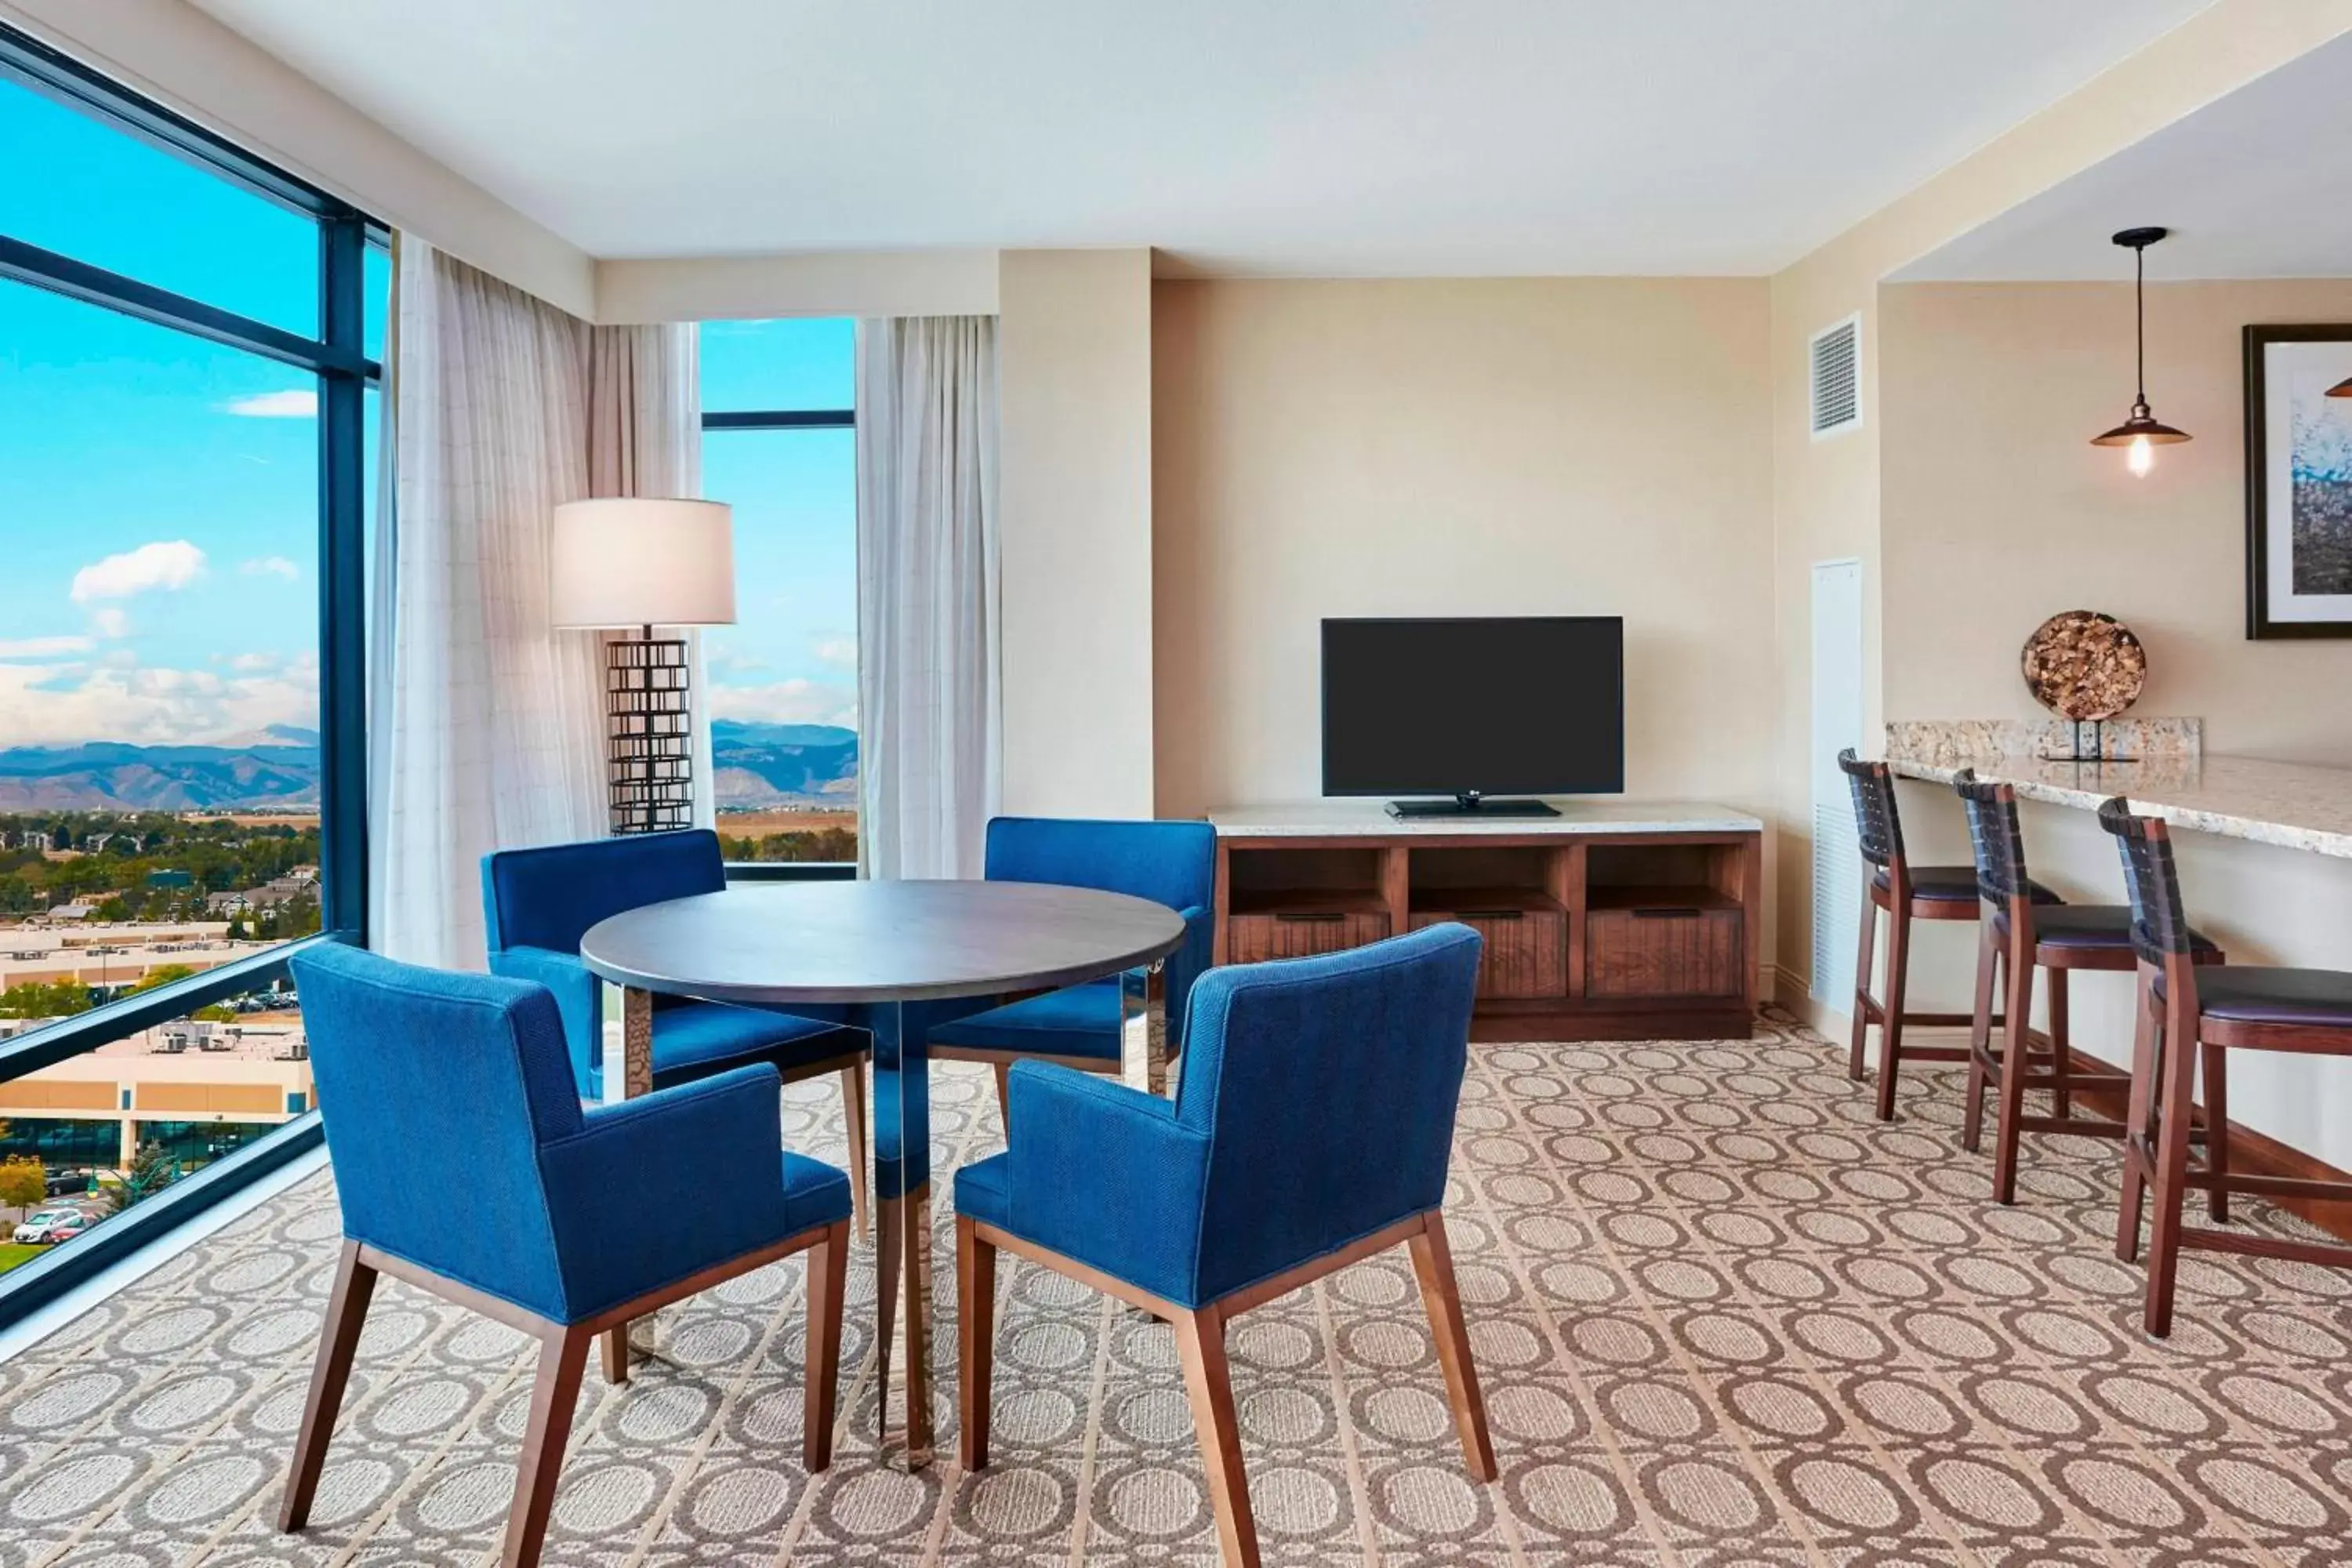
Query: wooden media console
point(1613, 920)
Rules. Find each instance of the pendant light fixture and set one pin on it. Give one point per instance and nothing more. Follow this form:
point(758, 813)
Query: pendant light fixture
point(2342, 388)
point(2142, 432)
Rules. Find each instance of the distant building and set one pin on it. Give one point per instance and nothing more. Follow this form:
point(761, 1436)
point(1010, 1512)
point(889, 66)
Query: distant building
point(72, 912)
point(230, 903)
point(98, 841)
point(32, 838)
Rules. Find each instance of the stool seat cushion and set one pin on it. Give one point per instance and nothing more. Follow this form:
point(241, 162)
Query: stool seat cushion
point(2317, 997)
point(2093, 926)
point(1952, 885)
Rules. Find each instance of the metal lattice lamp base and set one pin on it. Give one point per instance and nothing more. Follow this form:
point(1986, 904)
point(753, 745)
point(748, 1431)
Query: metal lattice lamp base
point(649, 768)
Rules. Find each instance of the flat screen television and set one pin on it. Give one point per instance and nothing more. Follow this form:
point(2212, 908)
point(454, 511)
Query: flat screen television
point(1472, 709)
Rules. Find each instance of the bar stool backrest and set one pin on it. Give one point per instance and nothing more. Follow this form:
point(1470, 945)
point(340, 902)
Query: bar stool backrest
point(2160, 916)
point(1995, 836)
point(1874, 820)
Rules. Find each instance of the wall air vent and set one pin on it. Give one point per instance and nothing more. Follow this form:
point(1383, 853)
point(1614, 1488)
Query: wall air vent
point(1836, 355)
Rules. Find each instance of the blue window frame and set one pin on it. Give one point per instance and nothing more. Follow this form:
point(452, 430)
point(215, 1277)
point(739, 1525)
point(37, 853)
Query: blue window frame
point(289, 278)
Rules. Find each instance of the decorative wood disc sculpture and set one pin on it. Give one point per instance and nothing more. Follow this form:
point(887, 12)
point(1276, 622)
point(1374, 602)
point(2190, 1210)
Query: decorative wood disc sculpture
point(2083, 665)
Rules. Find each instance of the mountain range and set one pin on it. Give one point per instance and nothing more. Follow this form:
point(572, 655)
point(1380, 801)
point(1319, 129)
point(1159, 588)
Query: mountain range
point(275, 767)
point(757, 766)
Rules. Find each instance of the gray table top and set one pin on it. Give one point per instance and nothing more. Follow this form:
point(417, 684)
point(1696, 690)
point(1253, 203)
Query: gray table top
point(778, 943)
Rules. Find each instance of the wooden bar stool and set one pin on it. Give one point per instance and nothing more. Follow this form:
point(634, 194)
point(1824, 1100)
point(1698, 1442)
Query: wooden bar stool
point(2184, 1015)
point(2020, 936)
point(1907, 892)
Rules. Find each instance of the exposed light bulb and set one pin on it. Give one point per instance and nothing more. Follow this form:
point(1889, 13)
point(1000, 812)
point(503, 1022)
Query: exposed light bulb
point(2142, 457)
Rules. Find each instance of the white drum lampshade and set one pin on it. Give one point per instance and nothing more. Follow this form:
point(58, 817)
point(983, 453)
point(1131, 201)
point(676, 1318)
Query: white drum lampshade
point(642, 562)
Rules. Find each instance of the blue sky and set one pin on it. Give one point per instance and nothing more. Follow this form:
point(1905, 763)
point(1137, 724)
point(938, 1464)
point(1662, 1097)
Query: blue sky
point(159, 493)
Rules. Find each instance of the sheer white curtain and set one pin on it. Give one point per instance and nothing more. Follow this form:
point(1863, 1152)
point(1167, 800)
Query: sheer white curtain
point(928, 686)
point(486, 729)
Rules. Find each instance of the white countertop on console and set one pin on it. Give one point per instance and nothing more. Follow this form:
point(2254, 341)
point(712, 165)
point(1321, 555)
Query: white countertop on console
point(2293, 805)
point(1338, 818)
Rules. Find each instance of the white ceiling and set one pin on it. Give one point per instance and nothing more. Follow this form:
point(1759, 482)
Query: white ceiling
point(2256, 185)
point(1285, 137)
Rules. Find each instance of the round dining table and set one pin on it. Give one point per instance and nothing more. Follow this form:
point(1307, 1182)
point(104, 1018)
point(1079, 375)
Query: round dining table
point(892, 958)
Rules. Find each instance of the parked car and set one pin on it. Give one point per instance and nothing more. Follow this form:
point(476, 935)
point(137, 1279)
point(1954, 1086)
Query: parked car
point(64, 1182)
point(44, 1227)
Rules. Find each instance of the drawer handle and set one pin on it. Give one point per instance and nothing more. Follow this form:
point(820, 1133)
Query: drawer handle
point(1492, 915)
point(1309, 917)
point(1668, 912)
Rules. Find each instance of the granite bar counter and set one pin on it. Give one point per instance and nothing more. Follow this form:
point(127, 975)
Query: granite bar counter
point(2289, 805)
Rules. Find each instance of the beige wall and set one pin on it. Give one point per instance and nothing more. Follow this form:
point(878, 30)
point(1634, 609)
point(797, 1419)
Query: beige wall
point(1826, 493)
point(181, 58)
point(1991, 394)
point(1074, 351)
point(812, 283)
point(1460, 448)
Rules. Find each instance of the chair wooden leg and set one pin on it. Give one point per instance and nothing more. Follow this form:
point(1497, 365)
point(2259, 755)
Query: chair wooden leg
point(828, 1276)
point(2014, 1060)
point(1980, 1042)
point(2061, 1096)
point(853, 1105)
point(976, 1334)
point(615, 1346)
point(2179, 1066)
point(1857, 1053)
point(563, 1357)
point(1003, 1071)
point(2217, 1128)
point(1432, 1261)
point(1201, 1343)
point(1890, 1028)
point(331, 1373)
point(2136, 1145)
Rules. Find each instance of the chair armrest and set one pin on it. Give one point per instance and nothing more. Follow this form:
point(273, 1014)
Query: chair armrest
point(579, 997)
point(656, 1188)
point(1106, 1175)
point(1185, 965)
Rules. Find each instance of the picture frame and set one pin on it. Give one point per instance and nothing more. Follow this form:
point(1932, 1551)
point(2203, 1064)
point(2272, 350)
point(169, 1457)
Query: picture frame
point(2298, 482)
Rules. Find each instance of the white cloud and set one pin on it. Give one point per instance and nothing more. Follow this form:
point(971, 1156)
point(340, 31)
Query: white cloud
point(172, 563)
point(44, 647)
point(271, 566)
point(249, 662)
point(840, 653)
point(795, 701)
point(110, 622)
point(300, 403)
point(45, 705)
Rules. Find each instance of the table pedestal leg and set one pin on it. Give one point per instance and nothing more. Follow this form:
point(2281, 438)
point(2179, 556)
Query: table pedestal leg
point(1142, 1061)
point(636, 1078)
point(902, 1181)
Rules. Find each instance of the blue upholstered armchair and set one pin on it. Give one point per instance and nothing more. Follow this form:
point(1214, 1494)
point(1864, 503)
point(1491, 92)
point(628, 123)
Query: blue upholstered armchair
point(1170, 863)
point(423, 1075)
point(1312, 1129)
point(538, 903)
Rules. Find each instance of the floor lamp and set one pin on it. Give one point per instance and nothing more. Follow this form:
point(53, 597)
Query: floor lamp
point(642, 563)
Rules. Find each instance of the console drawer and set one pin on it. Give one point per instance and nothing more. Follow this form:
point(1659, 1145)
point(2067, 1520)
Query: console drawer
point(1525, 952)
point(1664, 949)
point(1300, 934)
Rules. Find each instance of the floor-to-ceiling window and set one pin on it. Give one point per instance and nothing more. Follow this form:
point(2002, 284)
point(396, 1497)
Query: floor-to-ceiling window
point(779, 444)
point(189, 341)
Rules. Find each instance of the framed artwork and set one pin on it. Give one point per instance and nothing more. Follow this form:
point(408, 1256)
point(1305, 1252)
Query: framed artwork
point(2299, 481)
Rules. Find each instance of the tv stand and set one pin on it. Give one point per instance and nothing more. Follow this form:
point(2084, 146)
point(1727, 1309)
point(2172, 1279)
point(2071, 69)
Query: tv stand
point(1467, 801)
point(1611, 920)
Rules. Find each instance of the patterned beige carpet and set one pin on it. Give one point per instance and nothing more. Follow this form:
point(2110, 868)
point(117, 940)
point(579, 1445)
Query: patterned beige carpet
point(1723, 1318)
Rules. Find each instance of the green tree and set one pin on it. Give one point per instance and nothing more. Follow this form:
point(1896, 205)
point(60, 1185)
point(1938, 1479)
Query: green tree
point(151, 1172)
point(162, 974)
point(24, 1183)
point(46, 999)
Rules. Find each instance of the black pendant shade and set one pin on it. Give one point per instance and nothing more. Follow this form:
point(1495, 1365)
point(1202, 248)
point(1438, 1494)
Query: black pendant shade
point(2143, 424)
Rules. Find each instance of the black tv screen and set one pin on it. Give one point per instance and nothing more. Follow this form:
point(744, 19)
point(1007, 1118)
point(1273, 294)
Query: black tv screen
point(1523, 705)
